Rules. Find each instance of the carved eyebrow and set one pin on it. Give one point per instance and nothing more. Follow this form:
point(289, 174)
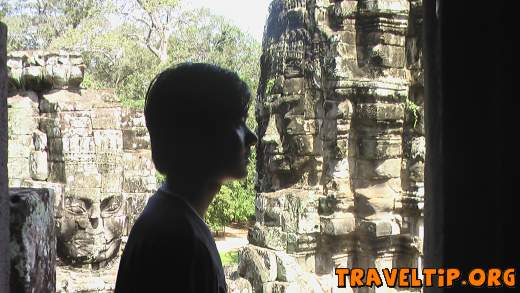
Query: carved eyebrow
point(86, 200)
point(108, 197)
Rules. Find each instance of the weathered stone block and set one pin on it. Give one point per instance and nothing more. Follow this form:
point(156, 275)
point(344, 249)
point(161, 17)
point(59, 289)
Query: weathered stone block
point(32, 244)
point(57, 171)
point(50, 126)
point(18, 168)
point(27, 100)
point(239, 285)
point(138, 163)
point(136, 139)
point(82, 192)
point(379, 228)
point(270, 237)
point(417, 147)
point(57, 188)
point(293, 86)
point(135, 203)
point(288, 268)
point(415, 171)
point(74, 144)
point(20, 122)
point(281, 287)
point(38, 166)
point(108, 140)
point(63, 100)
point(337, 225)
point(131, 118)
point(379, 148)
point(300, 242)
point(75, 76)
point(112, 184)
point(379, 111)
point(257, 265)
point(84, 180)
point(381, 169)
point(270, 208)
point(139, 184)
point(19, 146)
point(39, 140)
point(106, 118)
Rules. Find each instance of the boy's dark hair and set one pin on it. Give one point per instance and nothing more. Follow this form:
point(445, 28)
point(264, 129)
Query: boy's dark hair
point(190, 110)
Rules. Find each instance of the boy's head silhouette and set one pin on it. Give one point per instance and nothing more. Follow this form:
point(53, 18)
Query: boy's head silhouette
point(195, 114)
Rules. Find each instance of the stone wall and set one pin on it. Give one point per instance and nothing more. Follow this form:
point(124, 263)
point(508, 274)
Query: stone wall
point(341, 148)
point(90, 150)
point(32, 245)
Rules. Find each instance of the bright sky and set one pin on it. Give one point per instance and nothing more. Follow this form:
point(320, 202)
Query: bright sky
point(249, 15)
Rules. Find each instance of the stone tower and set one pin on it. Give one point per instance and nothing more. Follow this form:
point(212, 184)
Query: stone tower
point(341, 148)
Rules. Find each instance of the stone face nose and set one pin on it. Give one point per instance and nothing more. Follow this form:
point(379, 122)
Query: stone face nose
point(95, 213)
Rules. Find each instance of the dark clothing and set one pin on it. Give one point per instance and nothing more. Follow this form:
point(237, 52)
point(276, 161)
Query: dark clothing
point(170, 249)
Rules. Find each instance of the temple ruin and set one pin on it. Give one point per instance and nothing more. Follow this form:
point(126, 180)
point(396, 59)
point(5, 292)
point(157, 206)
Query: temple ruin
point(341, 150)
point(92, 153)
point(340, 156)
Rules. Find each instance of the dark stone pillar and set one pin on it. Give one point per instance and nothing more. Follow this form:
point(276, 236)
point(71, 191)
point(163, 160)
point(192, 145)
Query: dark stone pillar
point(4, 200)
point(33, 240)
point(470, 133)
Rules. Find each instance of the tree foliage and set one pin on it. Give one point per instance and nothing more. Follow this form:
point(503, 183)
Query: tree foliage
point(125, 43)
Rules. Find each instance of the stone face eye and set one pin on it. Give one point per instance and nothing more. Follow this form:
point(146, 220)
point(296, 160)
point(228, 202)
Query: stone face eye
point(75, 206)
point(111, 205)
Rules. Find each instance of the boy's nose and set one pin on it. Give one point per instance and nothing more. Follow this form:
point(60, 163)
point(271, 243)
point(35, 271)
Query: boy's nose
point(251, 138)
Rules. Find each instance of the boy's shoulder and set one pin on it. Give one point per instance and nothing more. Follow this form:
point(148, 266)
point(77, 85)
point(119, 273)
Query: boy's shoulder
point(163, 217)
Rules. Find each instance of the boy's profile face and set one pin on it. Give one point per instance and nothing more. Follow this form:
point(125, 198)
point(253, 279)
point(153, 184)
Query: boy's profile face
point(240, 143)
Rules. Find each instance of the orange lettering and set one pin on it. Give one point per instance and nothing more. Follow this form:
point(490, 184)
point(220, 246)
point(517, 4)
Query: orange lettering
point(342, 272)
point(403, 277)
point(493, 276)
point(390, 278)
point(477, 281)
point(373, 278)
point(451, 275)
point(356, 276)
point(427, 273)
point(509, 277)
point(416, 282)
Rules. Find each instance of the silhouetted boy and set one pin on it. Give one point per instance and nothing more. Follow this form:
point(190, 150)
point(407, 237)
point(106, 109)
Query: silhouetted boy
point(195, 114)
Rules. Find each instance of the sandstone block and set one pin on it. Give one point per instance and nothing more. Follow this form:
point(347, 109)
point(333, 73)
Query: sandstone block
point(19, 146)
point(381, 169)
point(32, 244)
point(380, 111)
point(288, 268)
point(39, 140)
point(270, 237)
point(20, 122)
point(18, 168)
point(106, 118)
point(257, 265)
point(337, 225)
point(380, 148)
point(38, 165)
point(27, 100)
point(136, 139)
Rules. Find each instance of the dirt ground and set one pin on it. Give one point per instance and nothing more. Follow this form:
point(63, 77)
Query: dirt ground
point(234, 238)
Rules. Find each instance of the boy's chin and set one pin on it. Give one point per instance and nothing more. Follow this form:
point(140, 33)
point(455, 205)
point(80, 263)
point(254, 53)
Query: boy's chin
point(238, 173)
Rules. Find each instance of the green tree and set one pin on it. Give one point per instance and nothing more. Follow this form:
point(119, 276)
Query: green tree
point(34, 24)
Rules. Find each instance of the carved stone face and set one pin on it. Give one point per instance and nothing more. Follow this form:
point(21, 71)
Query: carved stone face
point(90, 228)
